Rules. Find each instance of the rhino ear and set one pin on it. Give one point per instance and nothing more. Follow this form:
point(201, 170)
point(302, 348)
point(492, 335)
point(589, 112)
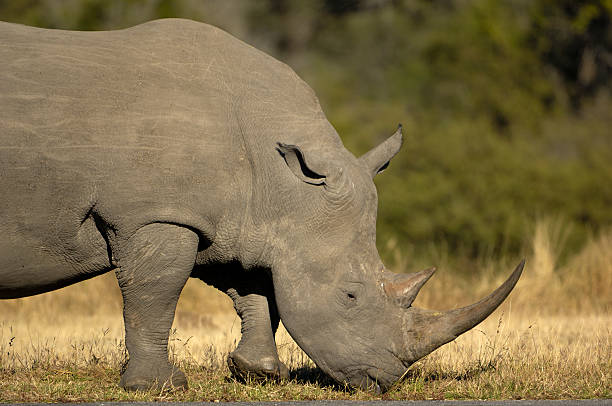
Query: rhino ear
point(378, 158)
point(297, 163)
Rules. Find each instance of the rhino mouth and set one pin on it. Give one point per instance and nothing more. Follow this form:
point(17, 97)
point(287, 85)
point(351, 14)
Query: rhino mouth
point(372, 379)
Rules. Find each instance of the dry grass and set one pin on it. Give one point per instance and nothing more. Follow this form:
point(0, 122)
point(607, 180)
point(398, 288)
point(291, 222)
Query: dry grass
point(551, 339)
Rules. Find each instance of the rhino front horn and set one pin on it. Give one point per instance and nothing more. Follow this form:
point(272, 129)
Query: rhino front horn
point(430, 329)
point(463, 319)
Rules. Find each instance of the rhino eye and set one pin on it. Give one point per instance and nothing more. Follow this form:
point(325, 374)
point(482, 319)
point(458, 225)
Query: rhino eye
point(347, 298)
point(349, 293)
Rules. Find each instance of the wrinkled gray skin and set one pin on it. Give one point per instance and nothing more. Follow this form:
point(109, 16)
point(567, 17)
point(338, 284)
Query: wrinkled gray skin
point(172, 150)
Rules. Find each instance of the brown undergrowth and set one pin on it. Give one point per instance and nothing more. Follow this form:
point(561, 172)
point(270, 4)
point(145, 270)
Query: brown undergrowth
point(552, 338)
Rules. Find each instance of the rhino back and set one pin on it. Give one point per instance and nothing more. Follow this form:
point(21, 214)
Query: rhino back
point(151, 123)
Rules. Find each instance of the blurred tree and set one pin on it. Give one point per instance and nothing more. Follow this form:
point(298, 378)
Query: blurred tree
point(575, 38)
point(482, 160)
point(505, 104)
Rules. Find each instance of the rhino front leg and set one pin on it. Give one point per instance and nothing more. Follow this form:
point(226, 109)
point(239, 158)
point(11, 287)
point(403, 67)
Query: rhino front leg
point(256, 353)
point(251, 291)
point(154, 265)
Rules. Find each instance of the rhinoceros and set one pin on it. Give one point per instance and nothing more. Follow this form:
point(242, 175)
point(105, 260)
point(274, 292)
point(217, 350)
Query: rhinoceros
point(172, 150)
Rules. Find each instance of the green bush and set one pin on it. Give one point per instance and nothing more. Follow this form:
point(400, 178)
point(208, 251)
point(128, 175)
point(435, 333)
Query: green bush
point(505, 104)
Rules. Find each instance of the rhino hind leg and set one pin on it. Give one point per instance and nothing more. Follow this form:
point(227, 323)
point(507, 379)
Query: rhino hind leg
point(256, 356)
point(154, 265)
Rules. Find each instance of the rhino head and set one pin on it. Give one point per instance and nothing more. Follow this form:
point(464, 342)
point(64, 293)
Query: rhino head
point(353, 317)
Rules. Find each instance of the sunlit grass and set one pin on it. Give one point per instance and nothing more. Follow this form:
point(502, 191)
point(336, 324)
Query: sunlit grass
point(552, 338)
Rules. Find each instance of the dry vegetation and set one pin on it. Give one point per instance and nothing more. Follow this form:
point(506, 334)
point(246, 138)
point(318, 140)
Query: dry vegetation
point(551, 339)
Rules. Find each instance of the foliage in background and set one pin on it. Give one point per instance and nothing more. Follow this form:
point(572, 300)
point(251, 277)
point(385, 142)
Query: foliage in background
point(505, 104)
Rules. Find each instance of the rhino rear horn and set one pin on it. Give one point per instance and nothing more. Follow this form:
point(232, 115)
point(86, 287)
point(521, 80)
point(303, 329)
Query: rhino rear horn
point(377, 159)
point(404, 288)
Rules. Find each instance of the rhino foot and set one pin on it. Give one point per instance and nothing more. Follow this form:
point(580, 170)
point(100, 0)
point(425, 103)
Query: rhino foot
point(243, 368)
point(144, 379)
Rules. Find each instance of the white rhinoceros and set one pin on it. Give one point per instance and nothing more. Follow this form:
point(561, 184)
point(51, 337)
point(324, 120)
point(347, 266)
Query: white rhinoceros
point(172, 150)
